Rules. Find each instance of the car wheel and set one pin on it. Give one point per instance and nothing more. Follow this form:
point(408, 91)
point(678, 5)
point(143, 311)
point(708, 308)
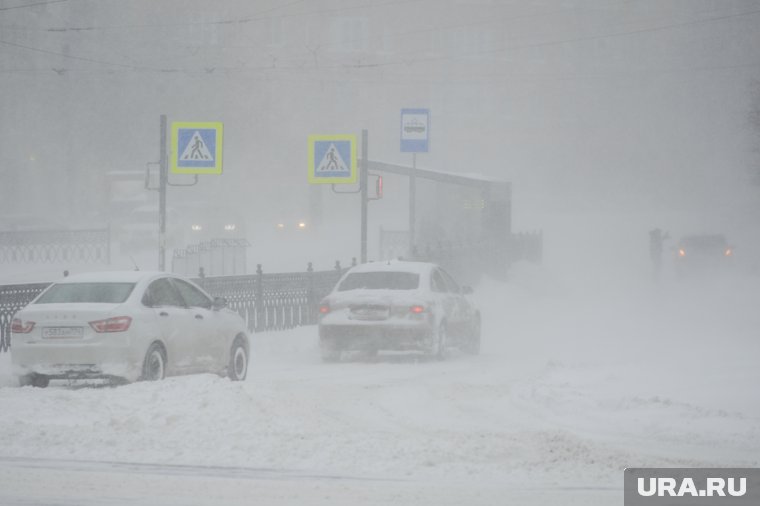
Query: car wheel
point(440, 342)
point(35, 380)
point(329, 352)
point(473, 339)
point(154, 365)
point(238, 368)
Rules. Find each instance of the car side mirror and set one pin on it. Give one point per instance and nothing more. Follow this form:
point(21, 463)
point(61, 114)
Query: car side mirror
point(219, 303)
point(467, 289)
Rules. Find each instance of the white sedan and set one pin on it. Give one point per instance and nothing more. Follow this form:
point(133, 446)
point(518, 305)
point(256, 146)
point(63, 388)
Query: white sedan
point(397, 305)
point(126, 326)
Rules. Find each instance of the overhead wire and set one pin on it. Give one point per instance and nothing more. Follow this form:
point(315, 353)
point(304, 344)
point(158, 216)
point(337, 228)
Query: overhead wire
point(559, 41)
point(35, 4)
point(404, 61)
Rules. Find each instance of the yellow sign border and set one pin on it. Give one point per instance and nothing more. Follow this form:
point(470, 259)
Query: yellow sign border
point(313, 179)
point(174, 156)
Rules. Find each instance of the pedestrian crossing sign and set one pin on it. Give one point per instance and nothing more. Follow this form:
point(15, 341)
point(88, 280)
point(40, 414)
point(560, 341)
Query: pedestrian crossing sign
point(332, 159)
point(196, 148)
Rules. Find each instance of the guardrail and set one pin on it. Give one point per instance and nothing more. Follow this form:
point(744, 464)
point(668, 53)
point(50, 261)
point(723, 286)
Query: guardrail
point(266, 301)
point(52, 246)
point(13, 298)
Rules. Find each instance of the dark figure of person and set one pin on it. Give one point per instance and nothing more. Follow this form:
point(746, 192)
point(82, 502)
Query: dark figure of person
point(656, 241)
point(332, 163)
point(196, 151)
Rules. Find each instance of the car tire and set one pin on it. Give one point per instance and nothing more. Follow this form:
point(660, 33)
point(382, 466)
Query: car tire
point(329, 352)
point(154, 365)
point(440, 342)
point(237, 369)
point(35, 380)
point(472, 345)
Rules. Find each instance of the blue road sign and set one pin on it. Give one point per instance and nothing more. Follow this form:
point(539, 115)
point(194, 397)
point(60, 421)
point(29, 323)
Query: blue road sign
point(415, 130)
point(196, 148)
point(332, 159)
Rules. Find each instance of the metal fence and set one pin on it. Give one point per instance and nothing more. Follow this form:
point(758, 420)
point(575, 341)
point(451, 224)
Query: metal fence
point(217, 257)
point(51, 246)
point(274, 301)
point(13, 298)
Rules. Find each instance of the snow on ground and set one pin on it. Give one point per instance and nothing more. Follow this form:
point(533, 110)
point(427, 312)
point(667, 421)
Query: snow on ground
point(574, 384)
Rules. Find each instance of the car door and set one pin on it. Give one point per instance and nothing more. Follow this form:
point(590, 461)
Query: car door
point(461, 310)
point(208, 325)
point(443, 299)
point(174, 320)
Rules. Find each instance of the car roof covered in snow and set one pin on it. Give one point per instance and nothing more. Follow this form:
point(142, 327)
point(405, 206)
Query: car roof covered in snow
point(111, 277)
point(395, 266)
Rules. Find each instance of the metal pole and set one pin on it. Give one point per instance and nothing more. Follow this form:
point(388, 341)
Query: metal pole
point(163, 178)
point(412, 207)
point(363, 186)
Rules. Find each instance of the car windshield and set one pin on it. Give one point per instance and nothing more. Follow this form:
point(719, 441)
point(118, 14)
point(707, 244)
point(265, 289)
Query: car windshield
point(380, 281)
point(87, 292)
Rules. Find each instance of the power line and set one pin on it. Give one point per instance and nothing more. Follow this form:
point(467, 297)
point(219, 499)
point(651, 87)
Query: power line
point(74, 57)
point(554, 42)
point(405, 61)
point(258, 16)
point(264, 71)
point(32, 5)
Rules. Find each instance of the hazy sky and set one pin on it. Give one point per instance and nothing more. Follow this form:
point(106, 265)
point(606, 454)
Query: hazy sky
point(589, 106)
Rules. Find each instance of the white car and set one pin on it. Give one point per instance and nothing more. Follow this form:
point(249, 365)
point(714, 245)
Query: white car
point(126, 326)
point(397, 305)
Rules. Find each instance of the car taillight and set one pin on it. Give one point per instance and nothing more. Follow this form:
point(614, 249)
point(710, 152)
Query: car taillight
point(416, 309)
point(115, 324)
point(21, 327)
point(681, 252)
point(324, 308)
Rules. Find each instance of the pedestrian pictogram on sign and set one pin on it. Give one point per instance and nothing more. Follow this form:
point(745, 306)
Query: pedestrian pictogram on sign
point(332, 163)
point(332, 159)
point(196, 148)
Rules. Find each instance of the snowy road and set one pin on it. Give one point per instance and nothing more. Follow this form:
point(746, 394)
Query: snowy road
point(550, 413)
point(35, 482)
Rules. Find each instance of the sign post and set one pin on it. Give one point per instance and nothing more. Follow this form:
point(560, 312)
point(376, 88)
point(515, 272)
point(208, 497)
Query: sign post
point(363, 186)
point(415, 138)
point(332, 160)
point(196, 148)
point(163, 178)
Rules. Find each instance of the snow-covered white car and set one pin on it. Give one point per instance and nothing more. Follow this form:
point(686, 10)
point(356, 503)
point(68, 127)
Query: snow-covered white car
point(126, 326)
point(399, 306)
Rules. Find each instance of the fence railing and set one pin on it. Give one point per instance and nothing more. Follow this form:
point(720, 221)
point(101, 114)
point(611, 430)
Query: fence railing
point(266, 301)
point(51, 246)
point(13, 298)
point(217, 257)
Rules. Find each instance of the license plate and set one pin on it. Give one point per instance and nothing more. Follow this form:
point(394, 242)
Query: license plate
point(53, 332)
point(369, 313)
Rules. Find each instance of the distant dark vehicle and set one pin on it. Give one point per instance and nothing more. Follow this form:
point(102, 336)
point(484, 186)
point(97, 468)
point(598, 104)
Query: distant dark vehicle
point(705, 254)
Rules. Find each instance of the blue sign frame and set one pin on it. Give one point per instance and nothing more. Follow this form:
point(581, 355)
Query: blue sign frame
point(415, 130)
